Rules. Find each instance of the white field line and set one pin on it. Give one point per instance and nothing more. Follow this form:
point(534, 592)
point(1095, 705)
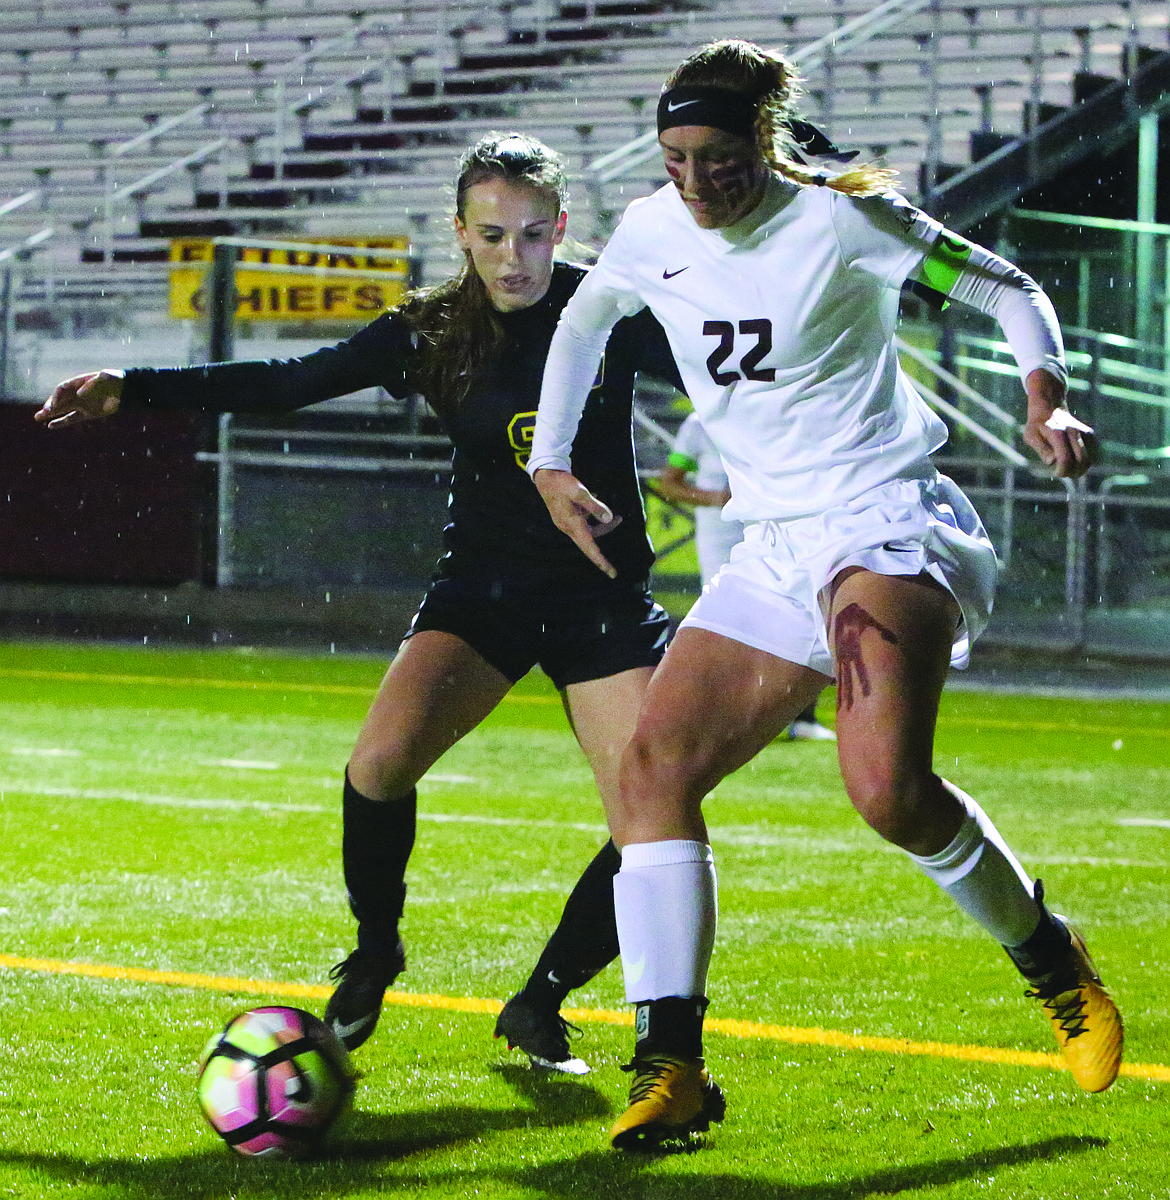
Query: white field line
point(730, 836)
point(67, 793)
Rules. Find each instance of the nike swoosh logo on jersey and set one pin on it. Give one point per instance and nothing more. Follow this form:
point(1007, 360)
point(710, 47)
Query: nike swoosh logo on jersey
point(675, 105)
point(672, 274)
point(900, 547)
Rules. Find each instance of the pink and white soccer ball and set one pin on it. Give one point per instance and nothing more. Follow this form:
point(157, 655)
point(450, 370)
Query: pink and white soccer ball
point(274, 1082)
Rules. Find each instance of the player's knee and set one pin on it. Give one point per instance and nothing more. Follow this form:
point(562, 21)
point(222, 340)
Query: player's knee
point(380, 774)
point(656, 763)
point(893, 806)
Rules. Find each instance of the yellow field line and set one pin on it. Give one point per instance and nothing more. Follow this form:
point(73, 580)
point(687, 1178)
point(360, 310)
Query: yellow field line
point(250, 685)
point(748, 1030)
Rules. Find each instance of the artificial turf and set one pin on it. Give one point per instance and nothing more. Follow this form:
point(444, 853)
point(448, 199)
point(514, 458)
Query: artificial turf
point(179, 811)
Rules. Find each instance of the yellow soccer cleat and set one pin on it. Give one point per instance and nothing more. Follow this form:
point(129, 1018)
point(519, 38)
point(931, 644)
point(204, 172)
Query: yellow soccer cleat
point(1084, 1018)
point(670, 1099)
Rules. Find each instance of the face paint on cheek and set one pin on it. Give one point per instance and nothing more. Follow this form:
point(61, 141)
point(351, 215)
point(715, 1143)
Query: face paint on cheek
point(732, 182)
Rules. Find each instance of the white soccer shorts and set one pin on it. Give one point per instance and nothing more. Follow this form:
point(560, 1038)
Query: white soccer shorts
point(773, 594)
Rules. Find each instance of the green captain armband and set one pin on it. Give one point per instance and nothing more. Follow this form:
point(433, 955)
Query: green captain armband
point(941, 268)
point(683, 461)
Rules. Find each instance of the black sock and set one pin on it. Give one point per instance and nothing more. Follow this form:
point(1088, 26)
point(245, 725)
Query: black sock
point(585, 941)
point(377, 838)
point(672, 1025)
point(1045, 955)
point(808, 715)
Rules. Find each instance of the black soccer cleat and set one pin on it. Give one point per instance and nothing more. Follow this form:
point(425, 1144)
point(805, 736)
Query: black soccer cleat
point(542, 1033)
point(362, 979)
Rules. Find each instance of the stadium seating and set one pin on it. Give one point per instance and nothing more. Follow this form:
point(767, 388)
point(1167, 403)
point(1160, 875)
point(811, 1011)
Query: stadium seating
point(125, 124)
point(318, 117)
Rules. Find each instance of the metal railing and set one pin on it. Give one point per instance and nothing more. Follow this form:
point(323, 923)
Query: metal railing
point(849, 36)
point(316, 96)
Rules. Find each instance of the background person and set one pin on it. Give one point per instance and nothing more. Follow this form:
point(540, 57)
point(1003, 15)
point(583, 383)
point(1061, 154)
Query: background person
point(694, 475)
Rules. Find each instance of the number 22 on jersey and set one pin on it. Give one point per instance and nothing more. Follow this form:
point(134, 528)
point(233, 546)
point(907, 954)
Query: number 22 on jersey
point(755, 344)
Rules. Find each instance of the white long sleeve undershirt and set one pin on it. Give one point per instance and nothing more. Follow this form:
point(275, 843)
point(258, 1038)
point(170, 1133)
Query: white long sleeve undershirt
point(569, 372)
point(987, 282)
point(1025, 314)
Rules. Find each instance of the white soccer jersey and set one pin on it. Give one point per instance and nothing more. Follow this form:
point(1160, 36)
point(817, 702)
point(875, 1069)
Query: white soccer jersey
point(783, 330)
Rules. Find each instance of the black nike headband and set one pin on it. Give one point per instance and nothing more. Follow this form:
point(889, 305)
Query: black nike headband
point(718, 108)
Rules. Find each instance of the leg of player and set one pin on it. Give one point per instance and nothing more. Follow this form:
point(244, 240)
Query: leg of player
point(808, 728)
point(583, 944)
point(892, 638)
point(437, 690)
point(711, 706)
point(602, 713)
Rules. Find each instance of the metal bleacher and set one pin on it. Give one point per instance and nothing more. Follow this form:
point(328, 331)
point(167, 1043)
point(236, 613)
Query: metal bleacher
point(124, 121)
point(126, 124)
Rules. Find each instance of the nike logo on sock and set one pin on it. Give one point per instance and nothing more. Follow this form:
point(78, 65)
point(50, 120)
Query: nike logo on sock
point(672, 274)
point(343, 1031)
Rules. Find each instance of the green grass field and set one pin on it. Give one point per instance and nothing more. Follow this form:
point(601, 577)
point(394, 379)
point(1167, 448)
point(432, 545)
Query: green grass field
point(179, 813)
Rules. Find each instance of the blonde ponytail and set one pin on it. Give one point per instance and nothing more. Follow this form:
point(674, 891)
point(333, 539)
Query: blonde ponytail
point(867, 179)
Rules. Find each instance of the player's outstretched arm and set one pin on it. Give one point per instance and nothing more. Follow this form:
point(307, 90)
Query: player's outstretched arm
point(576, 512)
point(82, 398)
point(1063, 442)
point(674, 485)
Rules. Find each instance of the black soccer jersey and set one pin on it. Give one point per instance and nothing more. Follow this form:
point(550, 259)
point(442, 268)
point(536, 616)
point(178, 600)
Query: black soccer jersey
point(498, 521)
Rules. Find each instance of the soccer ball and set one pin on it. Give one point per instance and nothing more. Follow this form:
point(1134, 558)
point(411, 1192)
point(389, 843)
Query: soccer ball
point(274, 1082)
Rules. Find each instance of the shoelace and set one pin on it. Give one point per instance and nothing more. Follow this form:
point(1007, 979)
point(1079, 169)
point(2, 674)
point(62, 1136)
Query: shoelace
point(565, 1029)
point(648, 1073)
point(355, 956)
point(1068, 1009)
point(568, 1028)
point(338, 971)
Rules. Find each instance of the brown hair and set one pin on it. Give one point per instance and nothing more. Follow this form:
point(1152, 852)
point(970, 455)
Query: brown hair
point(769, 79)
point(455, 323)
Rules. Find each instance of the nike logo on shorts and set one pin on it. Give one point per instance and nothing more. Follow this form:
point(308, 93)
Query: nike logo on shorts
point(672, 274)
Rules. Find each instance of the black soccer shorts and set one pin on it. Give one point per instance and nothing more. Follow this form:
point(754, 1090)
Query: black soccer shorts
point(575, 634)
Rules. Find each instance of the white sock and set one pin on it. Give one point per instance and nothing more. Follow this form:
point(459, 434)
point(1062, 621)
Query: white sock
point(665, 900)
point(984, 878)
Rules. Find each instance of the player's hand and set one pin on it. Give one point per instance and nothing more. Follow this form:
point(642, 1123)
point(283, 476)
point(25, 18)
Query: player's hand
point(82, 398)
point(577, 512)
point(1062, 441)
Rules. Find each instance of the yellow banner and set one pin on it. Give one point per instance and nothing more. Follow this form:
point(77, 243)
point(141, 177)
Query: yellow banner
point(330, 285)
